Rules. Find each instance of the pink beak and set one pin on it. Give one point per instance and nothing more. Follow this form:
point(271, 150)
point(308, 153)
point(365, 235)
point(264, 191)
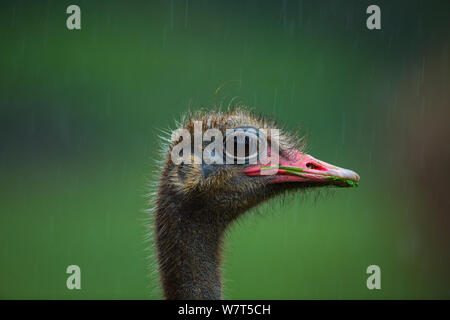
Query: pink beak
point(305, 168)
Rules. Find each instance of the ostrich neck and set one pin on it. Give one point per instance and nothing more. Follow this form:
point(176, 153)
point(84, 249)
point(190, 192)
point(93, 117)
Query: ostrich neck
point(189, 252)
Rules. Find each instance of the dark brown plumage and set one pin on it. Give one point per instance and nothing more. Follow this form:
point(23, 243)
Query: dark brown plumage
point(196, 202)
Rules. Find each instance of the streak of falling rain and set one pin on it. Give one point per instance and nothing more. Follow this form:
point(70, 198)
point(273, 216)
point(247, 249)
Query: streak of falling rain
point(295, 215)
point(285, 231)
point(275, 100)
point(300, 13)
point(117, 287)
point(420, 78)
point(373, 137)
point(51, 231)
point(292, 92)
point(283, 14)
point(36, 274)
point(244, 53)
point(240, 79)
point(108, 103)
point(108, 20)
point(13, 16)
point(108, 224)
point(186, 14)
point(347, 208)
point(164, 37)
point(171, 15)
point(309, 219)
point(124, 169)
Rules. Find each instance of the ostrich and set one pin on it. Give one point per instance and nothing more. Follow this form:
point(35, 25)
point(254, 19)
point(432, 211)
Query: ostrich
point(195, 203)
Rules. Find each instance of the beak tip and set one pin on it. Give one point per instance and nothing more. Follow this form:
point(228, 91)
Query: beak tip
point(346, 178)
point(354, 181)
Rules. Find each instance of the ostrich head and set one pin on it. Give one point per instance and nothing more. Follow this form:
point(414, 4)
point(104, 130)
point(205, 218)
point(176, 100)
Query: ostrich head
point(199, 196)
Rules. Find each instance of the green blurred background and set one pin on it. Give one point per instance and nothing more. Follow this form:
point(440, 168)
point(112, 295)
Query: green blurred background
point(80, 114)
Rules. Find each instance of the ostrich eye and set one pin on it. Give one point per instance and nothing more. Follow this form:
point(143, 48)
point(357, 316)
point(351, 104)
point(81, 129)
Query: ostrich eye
point(241, 145)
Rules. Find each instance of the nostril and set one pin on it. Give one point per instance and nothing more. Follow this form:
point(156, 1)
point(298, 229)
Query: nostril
point(313, 166)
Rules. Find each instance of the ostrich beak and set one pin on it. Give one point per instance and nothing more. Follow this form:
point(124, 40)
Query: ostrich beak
point(305, 168)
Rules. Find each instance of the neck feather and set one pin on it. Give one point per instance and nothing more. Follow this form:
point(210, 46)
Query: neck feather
point(189, 252)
